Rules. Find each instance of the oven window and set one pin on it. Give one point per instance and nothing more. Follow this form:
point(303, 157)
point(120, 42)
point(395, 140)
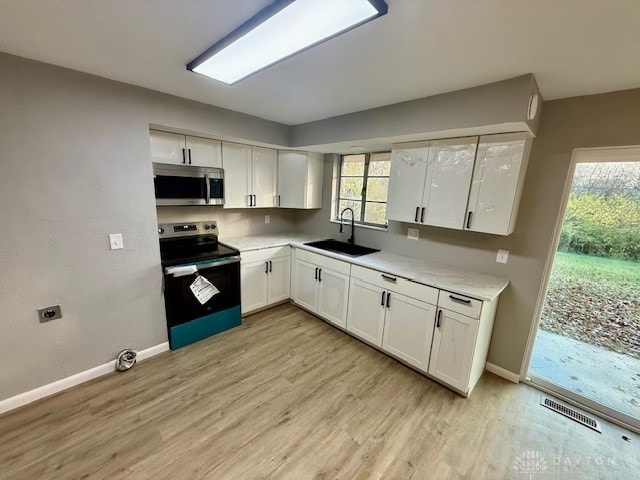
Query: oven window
point(179, 187)
point(182, 306)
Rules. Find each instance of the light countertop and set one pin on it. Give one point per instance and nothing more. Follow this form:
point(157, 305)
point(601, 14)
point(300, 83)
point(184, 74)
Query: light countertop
point(445, 277)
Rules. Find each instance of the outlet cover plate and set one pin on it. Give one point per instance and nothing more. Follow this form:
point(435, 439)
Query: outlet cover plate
point(115, 241)
point(503, 256)
point(413, 233)
point(267, 219)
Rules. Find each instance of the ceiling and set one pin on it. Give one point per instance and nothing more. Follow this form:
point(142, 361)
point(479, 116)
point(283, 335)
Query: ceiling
point(420, 48)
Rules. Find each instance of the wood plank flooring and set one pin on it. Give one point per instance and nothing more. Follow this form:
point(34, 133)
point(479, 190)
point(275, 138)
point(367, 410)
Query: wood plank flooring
point(287, 396)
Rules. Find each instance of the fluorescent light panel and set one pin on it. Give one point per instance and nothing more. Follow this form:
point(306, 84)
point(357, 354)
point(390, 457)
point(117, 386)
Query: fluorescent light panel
point(279, 31)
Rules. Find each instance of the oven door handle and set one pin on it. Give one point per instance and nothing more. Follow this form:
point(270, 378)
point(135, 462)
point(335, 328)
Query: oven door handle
point(202, 266)
point(207, 186)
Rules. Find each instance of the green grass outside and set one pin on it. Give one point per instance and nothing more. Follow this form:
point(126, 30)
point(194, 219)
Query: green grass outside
point(604, 271)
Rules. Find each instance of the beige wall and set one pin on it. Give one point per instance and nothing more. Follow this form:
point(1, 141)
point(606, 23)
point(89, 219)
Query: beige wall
point(595, 121)
point(75, 167)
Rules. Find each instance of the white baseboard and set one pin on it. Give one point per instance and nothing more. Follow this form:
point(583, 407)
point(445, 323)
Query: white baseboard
point(65, 383)
point(502, 372)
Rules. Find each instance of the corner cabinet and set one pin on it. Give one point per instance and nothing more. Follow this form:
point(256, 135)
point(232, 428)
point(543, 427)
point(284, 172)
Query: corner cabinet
point(176, 149)
point(264, 277)
point(300, 176)
point(250, 175)
point(321, 285)
point(471, 183)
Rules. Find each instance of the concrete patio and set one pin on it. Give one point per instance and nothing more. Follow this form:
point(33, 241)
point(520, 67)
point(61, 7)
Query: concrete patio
point(606, 377)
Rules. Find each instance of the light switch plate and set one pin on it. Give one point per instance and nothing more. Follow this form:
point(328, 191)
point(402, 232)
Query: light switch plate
point(115, 240)
point(413, 233)
point(267, 219)
point(503, 256)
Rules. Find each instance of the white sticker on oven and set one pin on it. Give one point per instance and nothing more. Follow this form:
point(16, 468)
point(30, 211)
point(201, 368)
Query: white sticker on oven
point(203, 289)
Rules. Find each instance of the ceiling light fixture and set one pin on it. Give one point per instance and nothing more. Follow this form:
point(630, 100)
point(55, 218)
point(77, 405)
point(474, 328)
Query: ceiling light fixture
point(284, 28)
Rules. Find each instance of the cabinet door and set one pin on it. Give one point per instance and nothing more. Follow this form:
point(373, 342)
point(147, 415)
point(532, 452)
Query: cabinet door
point(305, 285)
point(333, 296)
point(264, 176)
point(204, 152)
point(279, 279)
point(253, 285)
point(366, 311)
point(406, 183)
point(236, 159)
point(408, 329)
point(292, 174)
point(447, 186)
point(495, 186)
point(452, 351)
point(167, 148)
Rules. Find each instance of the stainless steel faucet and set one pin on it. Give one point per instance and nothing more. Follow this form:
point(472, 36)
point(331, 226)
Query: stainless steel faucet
point(351, 238)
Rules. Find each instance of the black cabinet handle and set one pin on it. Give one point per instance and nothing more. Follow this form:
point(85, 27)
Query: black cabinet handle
point(422, 215)
point(189, 150)
point(266, 267)
point(469, 219)
point(184, 157)
point(417, 211)
point(387, 277)
point(255, 200)
point(461, 300)
point(270, 266)
point(316, 277)
point(278, 200)
point(382, 300)
point(439, 319)
point(319, 274)
point(388, 299)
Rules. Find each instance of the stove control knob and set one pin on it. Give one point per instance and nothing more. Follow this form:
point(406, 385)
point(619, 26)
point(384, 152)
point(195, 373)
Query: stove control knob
point(213, 225)
point(160, 230)
point(207, 227)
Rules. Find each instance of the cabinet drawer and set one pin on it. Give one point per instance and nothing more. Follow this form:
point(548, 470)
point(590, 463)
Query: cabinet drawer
point(324, 262)
point(400, 285)
point(460, 304)
point(265, 254)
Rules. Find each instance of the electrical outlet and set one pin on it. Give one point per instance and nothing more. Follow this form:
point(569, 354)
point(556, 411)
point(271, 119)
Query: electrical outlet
point(49, 313)
point(115, 240)
point(503, 256)
point(267, 219)
point(413, 234)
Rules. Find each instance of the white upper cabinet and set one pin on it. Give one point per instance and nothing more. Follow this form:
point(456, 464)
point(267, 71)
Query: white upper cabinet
point(406, 182)
point(250, 175)
point(299, 179)
point(497, 183)
point(204, 152)
point(264, 176)
point(447, 183)
point(168, 148)
point(179, 149)
point(236, 159)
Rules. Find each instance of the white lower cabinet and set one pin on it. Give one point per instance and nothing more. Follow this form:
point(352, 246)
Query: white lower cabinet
point(408, 329)
point(367, 310)
point(321, 285)
point(454, 339)
point(265, 277)
point(400, 324)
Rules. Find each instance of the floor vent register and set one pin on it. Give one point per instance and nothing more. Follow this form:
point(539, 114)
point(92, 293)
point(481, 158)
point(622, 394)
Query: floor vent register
point(571, 413)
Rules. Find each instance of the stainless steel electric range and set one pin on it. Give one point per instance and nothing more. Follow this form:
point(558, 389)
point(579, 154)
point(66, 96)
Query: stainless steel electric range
point(201, 282)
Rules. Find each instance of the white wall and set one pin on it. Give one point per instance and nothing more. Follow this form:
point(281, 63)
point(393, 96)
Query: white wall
point(75, 167)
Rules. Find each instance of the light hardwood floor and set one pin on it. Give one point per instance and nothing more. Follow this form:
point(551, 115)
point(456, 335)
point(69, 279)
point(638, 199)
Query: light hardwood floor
point(288, 396)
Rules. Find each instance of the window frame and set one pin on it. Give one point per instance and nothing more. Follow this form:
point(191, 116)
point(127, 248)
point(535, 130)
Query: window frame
point(363, 195)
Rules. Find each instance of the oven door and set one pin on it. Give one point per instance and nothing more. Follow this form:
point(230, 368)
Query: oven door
point(186, 185)
point(187, 319)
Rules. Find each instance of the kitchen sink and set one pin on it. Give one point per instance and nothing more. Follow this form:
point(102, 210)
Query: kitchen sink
point(342, 247)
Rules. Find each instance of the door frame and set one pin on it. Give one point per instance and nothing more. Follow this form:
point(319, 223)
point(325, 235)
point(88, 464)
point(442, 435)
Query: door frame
point(579, 155)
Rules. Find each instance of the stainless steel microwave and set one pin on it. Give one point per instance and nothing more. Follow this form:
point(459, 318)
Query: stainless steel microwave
point(187, 185)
